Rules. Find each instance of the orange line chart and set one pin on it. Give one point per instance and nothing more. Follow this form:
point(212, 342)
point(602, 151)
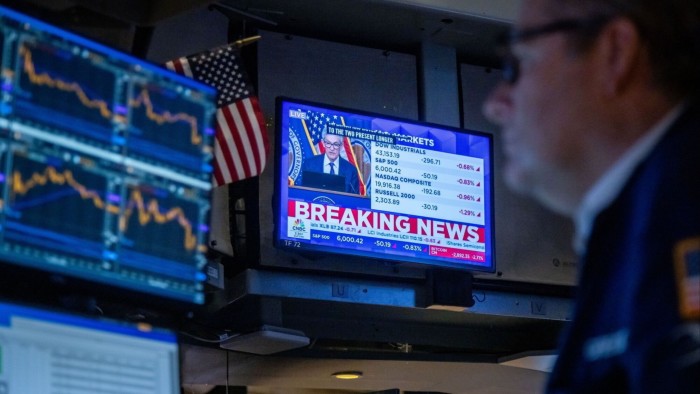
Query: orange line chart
point(22, 186)
point(150, 212)
point(44, 79)
point(146, 212)
point(144, 99)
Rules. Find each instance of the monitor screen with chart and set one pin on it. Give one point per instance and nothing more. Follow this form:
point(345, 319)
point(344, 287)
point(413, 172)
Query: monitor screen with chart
point(105, 165)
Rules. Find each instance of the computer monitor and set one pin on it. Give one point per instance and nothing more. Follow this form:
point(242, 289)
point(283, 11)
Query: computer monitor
point(105, 169)
point(44, 351)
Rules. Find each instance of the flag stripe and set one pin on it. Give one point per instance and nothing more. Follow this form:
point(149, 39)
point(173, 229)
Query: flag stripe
point(223, 156)
point(228, 145)
point(222, 172)
point(257, 119)
point(219, 170)
point(238, 140)
point(242, 123)
point(173, 66)
point(180, 66)
point(350, 153)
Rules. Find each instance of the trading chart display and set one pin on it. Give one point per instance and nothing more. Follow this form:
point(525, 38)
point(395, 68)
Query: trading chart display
point(105, 163)
point(58, 87)
point(154, 107)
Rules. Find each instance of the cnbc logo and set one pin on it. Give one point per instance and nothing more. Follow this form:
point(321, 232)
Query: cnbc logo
point(298, 228)
point(298, 225)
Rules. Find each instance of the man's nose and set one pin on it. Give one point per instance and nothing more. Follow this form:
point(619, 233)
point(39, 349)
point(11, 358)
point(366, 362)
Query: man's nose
point(498, 105)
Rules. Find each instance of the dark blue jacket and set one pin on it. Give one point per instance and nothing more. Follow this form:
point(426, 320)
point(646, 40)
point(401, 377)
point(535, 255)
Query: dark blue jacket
point(629, 334)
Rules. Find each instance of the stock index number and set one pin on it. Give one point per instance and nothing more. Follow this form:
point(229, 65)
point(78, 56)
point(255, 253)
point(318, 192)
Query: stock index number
point(384, 244)
point(387, 169)
point(384, 153)
point(350, 239)
point(387, 185)
point(387, 200)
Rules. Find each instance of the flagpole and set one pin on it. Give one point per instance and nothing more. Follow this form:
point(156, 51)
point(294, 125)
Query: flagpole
point(245, 41)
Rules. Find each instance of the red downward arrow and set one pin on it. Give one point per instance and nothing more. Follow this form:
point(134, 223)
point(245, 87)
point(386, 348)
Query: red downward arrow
point(478, 184)
point(479, 215)
point(478, 199)
point(478, 169)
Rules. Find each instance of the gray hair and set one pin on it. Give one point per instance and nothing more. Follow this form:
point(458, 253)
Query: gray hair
point(670, 29)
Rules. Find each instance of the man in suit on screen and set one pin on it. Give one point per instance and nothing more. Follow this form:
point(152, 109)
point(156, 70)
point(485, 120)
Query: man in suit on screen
point(331, 163)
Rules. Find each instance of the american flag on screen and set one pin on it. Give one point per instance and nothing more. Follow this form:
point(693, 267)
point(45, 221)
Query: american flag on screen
point(241, 143)
point(315, 124)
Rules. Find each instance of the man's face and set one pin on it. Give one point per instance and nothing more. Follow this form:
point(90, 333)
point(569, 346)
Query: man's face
point(332, 144)
point(544, 113)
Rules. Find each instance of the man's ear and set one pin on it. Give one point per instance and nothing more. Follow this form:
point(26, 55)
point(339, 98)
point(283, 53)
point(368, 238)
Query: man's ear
point(622, 54)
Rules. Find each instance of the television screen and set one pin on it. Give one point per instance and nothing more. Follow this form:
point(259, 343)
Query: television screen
point(105, 171)
point(356, 183)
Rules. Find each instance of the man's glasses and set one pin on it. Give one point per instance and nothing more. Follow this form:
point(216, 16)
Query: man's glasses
point(511, 64)
point(330, 145)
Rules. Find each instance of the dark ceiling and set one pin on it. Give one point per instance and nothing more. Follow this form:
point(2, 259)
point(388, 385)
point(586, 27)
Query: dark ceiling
point(387, 25)
point(395, 25)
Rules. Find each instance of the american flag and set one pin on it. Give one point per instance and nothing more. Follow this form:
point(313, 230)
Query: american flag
point(315, 124)
point(241, 143)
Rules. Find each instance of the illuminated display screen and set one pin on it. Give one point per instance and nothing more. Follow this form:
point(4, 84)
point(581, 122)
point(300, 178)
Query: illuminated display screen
point(48, 351)
point(398, 190)
point(105, 163)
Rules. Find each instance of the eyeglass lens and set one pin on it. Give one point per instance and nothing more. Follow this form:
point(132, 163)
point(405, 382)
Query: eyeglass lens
point(332, 144)
point(511, 64)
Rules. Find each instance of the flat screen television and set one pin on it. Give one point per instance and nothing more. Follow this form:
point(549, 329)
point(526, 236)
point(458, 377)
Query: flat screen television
point(410, 192)
point(105, 169)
